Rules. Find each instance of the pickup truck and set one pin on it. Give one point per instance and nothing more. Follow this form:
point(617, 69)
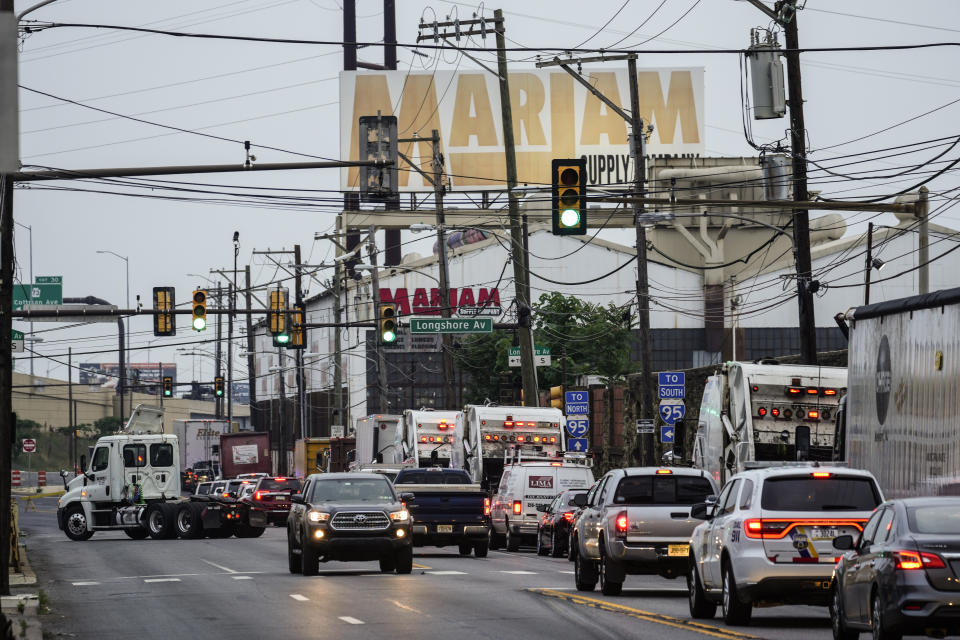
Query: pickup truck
point(447, 509)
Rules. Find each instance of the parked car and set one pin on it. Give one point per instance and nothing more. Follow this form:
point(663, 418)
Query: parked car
point(526, 487)
point(578, 511)
point(769, 538)
point(349, 517)
point(553, 532)
point(638, 522)
point(902, 577)
point(272, 495)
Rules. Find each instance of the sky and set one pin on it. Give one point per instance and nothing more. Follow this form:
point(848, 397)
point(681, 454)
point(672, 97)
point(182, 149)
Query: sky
point(286, 96)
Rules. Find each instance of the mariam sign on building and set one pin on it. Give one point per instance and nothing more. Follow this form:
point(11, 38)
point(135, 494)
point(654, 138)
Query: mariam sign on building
point(553, 117)
point(466, 301)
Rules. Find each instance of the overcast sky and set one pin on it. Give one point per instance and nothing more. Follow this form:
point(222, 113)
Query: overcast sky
point(286, 96)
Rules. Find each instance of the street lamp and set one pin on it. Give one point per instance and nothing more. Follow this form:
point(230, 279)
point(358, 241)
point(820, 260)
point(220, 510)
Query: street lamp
point(126, 356)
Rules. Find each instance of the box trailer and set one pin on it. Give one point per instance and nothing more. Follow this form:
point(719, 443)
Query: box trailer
point(245, 452)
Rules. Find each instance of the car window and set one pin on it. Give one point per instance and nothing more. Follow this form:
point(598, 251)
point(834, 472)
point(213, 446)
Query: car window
point(359, 490)
point(592, 492)
point(278, 484)
point(731, 502)
point(938, 519)
point(746, 494)
point(724, 494)
point(602, 494)
point(134, 455)
point(161, 455)
point(662, 489)
point(569, 498)
point(884, 527)
point(831, 493)
point(869, 531)
point(203, 489)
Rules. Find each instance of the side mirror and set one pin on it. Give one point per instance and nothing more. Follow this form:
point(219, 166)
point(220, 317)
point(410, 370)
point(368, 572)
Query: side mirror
point(296, 498)
point(542, 508)
point(407, 496)
point(580, 500)
point(843, 543)
point(711, 500)
point(701, 511)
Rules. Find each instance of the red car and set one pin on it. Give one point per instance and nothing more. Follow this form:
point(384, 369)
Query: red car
point(273, 496)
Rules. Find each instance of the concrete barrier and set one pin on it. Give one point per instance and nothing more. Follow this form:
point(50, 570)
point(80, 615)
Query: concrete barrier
point(15, 478)
point(41, 478)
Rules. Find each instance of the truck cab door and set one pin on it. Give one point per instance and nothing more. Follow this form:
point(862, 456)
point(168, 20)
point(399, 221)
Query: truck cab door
point(100, 467)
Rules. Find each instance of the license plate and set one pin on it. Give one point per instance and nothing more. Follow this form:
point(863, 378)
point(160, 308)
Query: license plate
point(444, 528)
point(824, 533)
point(682, 550)
point(279, 499)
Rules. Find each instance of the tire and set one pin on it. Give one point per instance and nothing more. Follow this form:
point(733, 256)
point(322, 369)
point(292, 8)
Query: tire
point(556, 551)
point(584, 574)
point(571, 547)
point(465, 548)
point(189, 523)
point(309, 560)
point(480, 549)
point(75, 524)
point(160, 521)
point(404, 560)
point(224, 531)
point(136, 534)
point(541, 550)
point(388, 564)
point(246, 531)
point(839, 627)
point(734, 611)
point(608, 587)
point(493, 539)
point(512, 542)
point(293, 559)
point(880, 630)
point(700, 607)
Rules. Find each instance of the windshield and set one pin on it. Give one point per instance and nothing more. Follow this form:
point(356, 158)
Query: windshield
point(663, 489)
point(360, 490)
point(433, 477)
point(279, 484)
point(938, 519)
point(835, 493)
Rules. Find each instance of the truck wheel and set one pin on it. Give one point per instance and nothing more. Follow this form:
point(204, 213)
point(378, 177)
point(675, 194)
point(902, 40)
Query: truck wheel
point(246, 531)
point(584, 574)
point(513, 542)
point(75, 524)
point(734, 611)
point(609, 568)
point(293, 559)
point(700, 607)
point(480, 549)
point(465, 548)
point(136, 534)
point(493, 539)
point(160, 524)
point(388, 564)
point(404, 559)
point(189, 522)
point(309, 560)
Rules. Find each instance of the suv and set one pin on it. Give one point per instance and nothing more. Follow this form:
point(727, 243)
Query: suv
point(769, 537)
point(272, 495)
point(637, 521)
point(350, 517)
point(526, 489)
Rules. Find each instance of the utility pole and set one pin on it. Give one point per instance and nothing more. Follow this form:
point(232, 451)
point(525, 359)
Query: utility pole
point(301, 387)
point(282, 452)
point(6, 319)
point(449, 401)
point(232, 294)
point(868, 265)
point(218, 405)
point(381, 362)
point(70, 422)
point(251, 347)
point(338, 347)
point(528, 370)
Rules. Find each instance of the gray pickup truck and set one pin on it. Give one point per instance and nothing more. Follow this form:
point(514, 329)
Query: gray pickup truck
point(636, 521)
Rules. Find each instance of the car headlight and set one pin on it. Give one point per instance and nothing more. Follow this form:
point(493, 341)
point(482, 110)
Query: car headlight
point(400, 516)
point(317, 516)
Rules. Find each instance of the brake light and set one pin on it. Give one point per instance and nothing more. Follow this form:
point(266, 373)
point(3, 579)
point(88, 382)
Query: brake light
point(258, 495)
point(496, 438)
point(424, 438)
point(556, 464)
point(762, 411)
point(486, 506)
point(755, 388)
point(517, 507)
point(553, 439)
point(520, 438)
point(664, 472)
point(623, 523)
point(777, 529)
point(912, 560)
point(821, 474)
point(775, 412)
point(280, 479)
point(793, 391)
point(568, 516)
point(812, 391)
point(813, 414)
point(508, 423)
point(486, 437)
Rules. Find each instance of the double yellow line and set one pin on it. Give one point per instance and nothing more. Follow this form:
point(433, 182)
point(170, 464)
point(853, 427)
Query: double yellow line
point(648, 616)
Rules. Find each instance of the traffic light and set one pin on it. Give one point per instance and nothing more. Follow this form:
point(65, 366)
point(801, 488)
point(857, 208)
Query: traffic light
point(277, 317)
point(569, 178)
point(297, 332)
point(556, 397)
point(164, 324)
point(199, 310)
point(167, 387)
point(218, 386)
point(388, 322)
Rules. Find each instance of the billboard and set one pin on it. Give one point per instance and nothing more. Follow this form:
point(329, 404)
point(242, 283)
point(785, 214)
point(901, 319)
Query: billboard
point(105, 373)
point(553, 117)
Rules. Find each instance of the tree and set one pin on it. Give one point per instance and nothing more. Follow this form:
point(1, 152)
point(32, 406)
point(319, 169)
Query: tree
point(484, 357)
point(107, 425)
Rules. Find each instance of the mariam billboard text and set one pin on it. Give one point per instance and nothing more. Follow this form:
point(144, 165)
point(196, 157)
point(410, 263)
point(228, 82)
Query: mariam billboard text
point(553, 117)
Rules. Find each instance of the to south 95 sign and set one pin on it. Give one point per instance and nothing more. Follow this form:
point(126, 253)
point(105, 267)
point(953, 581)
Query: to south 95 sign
point(670, 412)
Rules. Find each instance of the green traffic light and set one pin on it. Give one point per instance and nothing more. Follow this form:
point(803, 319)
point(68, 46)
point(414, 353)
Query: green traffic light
point(282, 338)
point(167, 393)
point(570, 218)
point(389, 336)
point(199, 324)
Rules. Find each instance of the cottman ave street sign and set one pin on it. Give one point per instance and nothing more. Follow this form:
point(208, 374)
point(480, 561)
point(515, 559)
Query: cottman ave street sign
point(451, 325)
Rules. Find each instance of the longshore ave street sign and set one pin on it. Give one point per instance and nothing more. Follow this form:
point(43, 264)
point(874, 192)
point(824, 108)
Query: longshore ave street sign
point(451, 325)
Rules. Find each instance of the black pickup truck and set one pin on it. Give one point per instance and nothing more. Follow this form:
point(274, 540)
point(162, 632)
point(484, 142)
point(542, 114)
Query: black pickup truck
point(447, 509)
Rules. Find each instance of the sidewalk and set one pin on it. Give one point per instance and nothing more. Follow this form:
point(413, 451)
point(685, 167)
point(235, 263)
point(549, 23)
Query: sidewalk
point(23, 607)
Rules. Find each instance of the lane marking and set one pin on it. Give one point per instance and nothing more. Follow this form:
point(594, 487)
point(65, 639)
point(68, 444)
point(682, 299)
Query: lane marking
point(161, 579)
point(420, 566)
point(569, 572)
point(298, 597)
point(85, 584)
point(350, 620)
point(520, 573)
point(403, 606)
point(242, 577)
point(446, 573)
point(219, 566)
point(648, 616)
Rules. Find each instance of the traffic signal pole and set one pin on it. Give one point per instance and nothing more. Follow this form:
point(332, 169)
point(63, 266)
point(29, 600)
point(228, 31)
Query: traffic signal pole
point(375, 283)
point(449, 398)
point(301, 386)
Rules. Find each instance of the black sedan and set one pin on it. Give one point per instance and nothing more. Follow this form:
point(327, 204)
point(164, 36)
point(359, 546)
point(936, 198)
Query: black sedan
point(902, 577)
point(553, 530)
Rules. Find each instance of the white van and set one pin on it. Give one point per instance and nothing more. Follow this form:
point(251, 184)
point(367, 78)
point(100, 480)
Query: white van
point(525, 489)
